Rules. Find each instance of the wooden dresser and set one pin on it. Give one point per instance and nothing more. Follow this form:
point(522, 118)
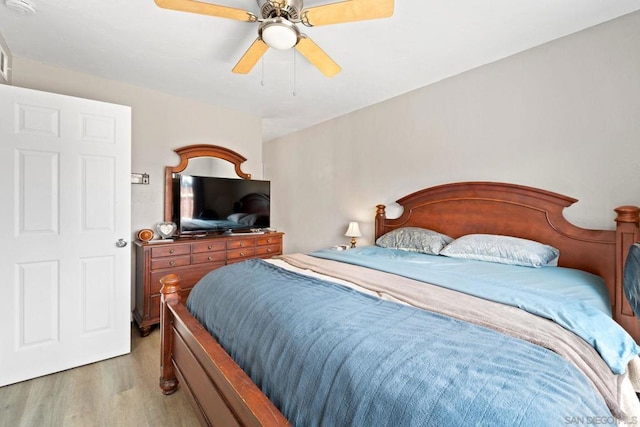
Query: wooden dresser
point(190, 259)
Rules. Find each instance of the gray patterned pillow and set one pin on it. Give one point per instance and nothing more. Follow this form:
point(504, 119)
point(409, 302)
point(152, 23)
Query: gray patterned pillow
point(501, 249)
point(414, 239)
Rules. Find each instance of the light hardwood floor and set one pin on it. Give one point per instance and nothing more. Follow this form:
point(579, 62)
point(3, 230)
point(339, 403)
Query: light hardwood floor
point(119, 392)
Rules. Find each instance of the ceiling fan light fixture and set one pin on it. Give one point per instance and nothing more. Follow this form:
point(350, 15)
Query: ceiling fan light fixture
point(278, 33)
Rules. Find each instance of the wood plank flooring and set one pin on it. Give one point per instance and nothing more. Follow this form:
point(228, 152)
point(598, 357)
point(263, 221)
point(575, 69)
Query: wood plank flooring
point(121, 392)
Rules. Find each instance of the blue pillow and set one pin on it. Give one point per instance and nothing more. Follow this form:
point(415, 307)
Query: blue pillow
point(631, 278)
point(501, 249)
point(414, 239)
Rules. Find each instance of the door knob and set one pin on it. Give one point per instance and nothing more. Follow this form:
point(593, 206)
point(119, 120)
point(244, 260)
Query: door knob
point(121, 243)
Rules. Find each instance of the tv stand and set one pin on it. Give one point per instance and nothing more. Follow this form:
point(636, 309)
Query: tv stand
point(191, 258)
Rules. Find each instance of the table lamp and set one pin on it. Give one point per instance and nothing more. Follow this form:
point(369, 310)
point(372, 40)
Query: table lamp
point(353, 231)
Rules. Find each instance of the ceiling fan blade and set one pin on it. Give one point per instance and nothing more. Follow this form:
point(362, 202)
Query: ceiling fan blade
point(207, 9)
point(317, 57)
point(251, 57)
point(347, 11)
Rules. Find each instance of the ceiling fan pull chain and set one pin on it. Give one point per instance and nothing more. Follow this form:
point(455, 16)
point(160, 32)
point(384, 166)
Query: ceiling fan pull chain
point(262, 72)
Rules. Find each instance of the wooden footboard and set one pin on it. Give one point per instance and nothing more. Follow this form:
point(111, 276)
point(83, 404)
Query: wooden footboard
point(220, 391)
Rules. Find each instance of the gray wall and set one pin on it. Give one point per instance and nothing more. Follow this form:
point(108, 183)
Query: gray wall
point(564, 117)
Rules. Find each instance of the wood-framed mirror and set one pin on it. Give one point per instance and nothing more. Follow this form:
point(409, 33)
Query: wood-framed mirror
point(198, 151)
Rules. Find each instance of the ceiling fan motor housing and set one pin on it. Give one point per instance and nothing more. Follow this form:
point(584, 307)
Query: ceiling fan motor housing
point(289, 9)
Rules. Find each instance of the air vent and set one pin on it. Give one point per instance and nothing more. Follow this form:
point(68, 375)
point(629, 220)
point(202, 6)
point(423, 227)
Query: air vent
point(23, 7)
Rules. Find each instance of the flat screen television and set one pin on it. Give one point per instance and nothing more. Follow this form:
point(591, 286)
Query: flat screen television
point(212, 205)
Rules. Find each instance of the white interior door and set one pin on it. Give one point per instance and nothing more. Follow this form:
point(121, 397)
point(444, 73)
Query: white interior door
point(65, 190)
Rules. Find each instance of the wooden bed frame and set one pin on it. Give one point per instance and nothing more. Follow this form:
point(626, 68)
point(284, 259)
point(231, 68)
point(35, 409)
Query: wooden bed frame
point(222, 394)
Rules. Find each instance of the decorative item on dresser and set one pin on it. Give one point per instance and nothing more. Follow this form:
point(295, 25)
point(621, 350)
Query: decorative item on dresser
point(166, 230)
point(190, 258)
point(145, 235)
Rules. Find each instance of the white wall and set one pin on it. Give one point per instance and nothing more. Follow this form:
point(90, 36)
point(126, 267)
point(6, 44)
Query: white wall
point(564, 117)
point(160, 124)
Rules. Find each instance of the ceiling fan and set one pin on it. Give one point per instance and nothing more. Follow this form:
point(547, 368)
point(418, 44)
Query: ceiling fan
point(278, 25)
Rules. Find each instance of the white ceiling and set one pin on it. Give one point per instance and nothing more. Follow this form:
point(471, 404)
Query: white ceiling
point(192, 55)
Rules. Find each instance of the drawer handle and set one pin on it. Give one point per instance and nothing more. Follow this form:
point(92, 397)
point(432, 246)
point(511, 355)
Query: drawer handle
point(172, 251)
point(209, 247)
point(172, 262)
point(210, 258)
point(241, 253)
point(269, 250)
point(242, 244)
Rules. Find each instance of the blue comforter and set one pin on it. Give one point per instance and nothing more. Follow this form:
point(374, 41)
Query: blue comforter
point(572, 298)
point(328, 355)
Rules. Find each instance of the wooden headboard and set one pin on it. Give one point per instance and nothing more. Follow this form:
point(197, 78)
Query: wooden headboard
point(514, 210)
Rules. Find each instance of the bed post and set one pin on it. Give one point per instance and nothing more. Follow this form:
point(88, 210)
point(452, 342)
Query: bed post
point(627, 233)
point(170, 294)
point(380, 217)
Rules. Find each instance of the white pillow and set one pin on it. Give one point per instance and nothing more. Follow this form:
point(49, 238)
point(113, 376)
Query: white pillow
point(414, 239)
point(501, 249)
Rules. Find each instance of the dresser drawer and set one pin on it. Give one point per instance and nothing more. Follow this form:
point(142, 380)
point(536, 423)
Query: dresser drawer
point(189, 276)
point(208, 246)
point(208, 257)
point(170, 262)
point(241, 243)
point(270, 250)
point(269, 240)
point(164, 251)
point(239, 254)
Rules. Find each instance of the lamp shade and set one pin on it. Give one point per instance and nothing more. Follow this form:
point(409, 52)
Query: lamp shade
point(279, 33)
point(353, 230)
